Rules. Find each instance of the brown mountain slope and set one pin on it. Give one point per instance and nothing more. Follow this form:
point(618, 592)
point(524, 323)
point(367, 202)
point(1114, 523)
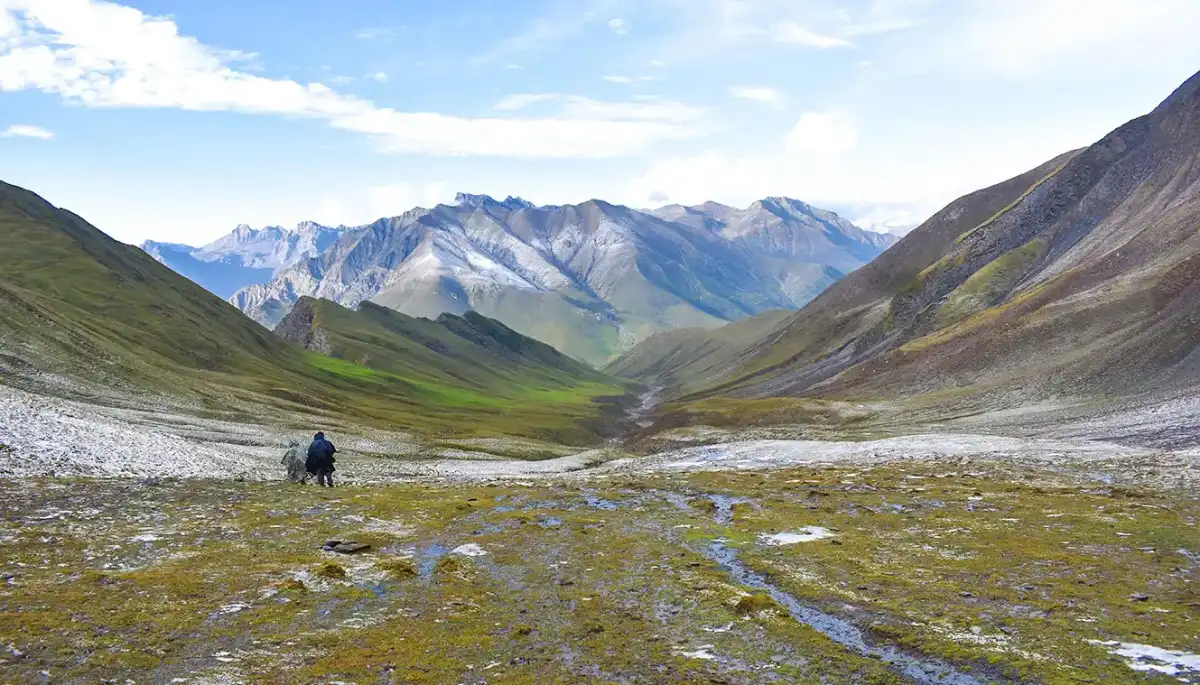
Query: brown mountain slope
point(677, 359)
point(1079, 278)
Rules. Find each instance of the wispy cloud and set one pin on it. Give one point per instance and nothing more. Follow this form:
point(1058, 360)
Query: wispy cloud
point(767, 96)
point(569, 22)
point(791, 32)
point(645, 108)
point(27, 131)
point(376, 33)
point(104, 55)
point(380, 77)
point(710, 27)
point(628, 80)
point(618, 26)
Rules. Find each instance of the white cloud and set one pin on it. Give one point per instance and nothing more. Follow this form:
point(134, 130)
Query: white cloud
point(380, 77)
point(793, 33)
point(619, 26)
point(822, 135)
point(27, 131)
point(100, 54)
point(767, 96)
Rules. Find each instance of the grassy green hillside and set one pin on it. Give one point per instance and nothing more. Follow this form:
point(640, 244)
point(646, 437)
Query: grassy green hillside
point(687, 358)
point(80, 312)
point(471, 363)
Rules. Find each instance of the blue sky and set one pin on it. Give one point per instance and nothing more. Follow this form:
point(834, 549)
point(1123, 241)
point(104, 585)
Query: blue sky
point(177, 120)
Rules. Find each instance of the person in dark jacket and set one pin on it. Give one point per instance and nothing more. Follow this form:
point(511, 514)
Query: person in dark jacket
point(320, 460)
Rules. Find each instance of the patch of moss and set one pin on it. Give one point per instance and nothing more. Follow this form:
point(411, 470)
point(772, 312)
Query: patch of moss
point(330, 570)
point(292, 585)
point(990, 283)
point(399, 569)
point(750, 605)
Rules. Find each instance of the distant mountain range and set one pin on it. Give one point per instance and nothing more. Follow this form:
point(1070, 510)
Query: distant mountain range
point(1078, 278)
point(245, 257)
point(590, 279)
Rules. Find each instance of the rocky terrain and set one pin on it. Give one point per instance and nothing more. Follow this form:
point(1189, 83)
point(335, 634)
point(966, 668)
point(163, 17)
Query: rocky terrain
point(589, 279)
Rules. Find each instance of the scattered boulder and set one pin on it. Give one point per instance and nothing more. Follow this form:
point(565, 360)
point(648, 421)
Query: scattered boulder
point(1139, 597)
point(345, 546)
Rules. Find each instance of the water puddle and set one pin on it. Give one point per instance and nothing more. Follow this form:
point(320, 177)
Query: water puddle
point(596, 502)
point(427, 559)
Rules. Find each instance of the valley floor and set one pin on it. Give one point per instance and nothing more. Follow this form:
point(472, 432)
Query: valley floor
point(163, 548)
point(891, 573)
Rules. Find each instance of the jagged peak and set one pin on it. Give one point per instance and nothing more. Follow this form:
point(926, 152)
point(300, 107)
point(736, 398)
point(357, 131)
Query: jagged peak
point(782, 202)
point(518, 202)
point(472, 200)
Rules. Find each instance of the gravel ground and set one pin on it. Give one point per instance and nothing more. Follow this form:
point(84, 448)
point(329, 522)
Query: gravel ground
point(42, 435)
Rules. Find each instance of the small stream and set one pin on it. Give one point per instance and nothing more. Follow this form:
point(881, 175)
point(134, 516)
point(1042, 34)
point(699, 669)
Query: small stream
point(643, 415)
point(919, 670)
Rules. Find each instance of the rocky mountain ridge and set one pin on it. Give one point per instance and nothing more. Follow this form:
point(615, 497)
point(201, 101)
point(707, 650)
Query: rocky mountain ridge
point(590, 279)
point(245, 256)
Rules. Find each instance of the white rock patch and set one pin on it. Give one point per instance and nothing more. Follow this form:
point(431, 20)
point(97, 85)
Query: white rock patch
point(1147, 658)
point(701, 653)
point(469, 550)
point(806, 534)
